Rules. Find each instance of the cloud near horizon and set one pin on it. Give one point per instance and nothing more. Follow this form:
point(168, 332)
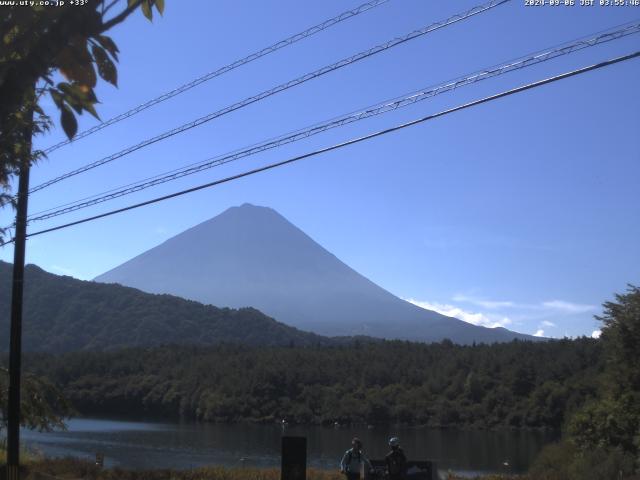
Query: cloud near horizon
point(568, 307)
point(561, 306)
point(474, 318)
point(491, 304)
point(544, 315)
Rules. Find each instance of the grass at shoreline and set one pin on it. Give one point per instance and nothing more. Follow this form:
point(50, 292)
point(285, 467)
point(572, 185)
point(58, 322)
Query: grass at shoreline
point(75, 469)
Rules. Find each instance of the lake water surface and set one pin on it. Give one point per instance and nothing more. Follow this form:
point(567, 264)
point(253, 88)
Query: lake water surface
point(185, 445)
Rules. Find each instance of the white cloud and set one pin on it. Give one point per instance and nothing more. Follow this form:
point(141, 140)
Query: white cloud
point(539, 333)
point(596, 334)
point(568, 307)
point(548, 316)
point(491, 304)
point(559, 306)
point(475, 318)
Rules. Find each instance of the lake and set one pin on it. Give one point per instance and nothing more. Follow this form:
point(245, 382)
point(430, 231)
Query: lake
point(185, 445)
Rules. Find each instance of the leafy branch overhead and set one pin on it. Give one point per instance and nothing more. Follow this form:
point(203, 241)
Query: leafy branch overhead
point(42, 404)
point(39, 41)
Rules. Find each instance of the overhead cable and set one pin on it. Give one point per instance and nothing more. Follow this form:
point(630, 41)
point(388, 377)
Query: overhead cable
point(282, 87)
point(222, 70)
point(343, 144)
point(384, 107)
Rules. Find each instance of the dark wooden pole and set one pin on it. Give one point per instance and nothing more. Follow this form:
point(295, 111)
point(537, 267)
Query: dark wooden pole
point(15, 347)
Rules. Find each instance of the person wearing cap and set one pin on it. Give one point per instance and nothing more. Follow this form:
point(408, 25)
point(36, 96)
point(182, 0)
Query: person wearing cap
point(353, 460)
point(396, 460)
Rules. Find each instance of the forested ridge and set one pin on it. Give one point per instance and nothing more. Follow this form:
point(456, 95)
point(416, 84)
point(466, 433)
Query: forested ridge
point(64, 314)
point(518, 384)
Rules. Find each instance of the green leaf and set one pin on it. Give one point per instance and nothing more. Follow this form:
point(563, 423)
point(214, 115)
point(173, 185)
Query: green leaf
point(56, 96)
point(77, 106)
point(11, 34)
point(70, 95)
point(146, 9)
point(76, 64)
point(109, 45)
point(68, 121)
point(160, 6)
point(65, 88)
point(85, 93)
point(79, 97)
point(91, 109)
point(79, 93)
point(106, 69)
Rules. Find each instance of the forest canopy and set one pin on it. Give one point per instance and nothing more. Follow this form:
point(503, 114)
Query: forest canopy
point(519, 384)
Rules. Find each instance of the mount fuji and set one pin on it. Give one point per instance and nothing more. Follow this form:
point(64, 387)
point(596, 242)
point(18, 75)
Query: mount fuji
point(250, 256)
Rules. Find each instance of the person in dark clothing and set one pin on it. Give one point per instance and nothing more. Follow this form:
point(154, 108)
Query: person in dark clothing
point(396, 460)
point(353, 460)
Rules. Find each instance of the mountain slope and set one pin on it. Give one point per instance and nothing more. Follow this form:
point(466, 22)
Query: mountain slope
point(252, 256)
point(64, 314)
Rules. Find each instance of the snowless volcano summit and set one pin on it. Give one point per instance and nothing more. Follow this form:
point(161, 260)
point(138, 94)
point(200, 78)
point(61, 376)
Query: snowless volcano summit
point(253, 256)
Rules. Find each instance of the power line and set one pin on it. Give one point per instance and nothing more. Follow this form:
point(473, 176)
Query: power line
point(344, 144)
point(222, 70)
point(384, 107)
point(282, 87)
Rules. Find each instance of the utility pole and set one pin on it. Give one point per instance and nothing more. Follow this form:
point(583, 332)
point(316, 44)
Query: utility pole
point(15, 347)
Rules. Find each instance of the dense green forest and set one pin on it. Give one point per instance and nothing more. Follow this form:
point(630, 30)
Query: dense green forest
point(601, 440)
point(63, 314)
point(519, 384)
point(590, 389)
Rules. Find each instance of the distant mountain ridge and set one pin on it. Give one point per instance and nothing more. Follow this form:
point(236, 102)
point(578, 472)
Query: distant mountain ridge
point(253, 256)
point(63, 314)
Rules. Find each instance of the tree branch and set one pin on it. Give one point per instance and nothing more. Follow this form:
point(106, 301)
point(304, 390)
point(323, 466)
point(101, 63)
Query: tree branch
point(108, 7)
point(120, 17)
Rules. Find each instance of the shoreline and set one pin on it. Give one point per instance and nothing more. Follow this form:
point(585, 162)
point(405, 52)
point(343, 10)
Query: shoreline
point(196, 444)
point(194, 421)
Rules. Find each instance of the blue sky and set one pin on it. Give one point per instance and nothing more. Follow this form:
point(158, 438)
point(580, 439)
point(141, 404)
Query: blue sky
point(523, 212)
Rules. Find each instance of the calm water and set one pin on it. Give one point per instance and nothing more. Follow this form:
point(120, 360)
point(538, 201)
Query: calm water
point(185, 445)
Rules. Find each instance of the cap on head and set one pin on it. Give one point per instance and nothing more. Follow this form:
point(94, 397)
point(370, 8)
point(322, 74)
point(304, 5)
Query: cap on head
point(394, 442)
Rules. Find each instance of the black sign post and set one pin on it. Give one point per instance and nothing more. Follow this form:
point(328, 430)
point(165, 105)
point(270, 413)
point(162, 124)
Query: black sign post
point(294, 458)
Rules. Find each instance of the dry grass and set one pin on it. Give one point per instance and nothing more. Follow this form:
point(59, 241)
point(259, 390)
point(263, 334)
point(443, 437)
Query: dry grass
point(26, 456)
point(491, 477)
point(70, 468)
point(38, 468)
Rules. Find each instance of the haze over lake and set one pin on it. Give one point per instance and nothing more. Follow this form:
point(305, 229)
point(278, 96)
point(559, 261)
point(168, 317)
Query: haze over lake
point(185, 445)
